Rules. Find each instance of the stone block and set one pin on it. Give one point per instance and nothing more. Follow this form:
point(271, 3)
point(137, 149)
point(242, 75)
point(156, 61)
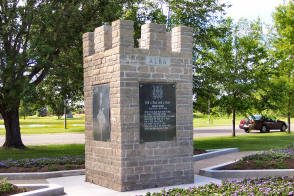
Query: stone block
point(125, 162)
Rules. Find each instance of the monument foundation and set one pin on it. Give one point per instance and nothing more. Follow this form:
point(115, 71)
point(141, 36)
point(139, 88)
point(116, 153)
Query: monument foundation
point(138, 105)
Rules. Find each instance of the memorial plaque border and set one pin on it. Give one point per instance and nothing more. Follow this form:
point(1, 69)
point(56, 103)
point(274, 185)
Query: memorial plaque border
point(156, 135)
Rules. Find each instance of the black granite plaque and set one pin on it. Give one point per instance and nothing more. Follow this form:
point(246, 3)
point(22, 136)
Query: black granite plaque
point(101, 112)
point(157, 111)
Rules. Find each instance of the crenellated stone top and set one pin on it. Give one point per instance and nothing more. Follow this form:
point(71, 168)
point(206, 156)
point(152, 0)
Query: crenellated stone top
point(153, 36)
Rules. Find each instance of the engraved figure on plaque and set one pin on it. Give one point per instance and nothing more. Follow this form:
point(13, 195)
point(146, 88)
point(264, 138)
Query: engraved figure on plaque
point(101, 112)
point(157, 92)
point(157, 112)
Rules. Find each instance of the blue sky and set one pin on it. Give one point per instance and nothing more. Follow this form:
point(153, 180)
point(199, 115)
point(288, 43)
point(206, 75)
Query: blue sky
point(251, 9)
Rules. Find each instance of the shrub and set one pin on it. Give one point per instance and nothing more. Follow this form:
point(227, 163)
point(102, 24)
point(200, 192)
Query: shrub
point(5, 187)
point(41, 162)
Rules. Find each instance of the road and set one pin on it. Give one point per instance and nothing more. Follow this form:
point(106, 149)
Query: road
point(46, 139)
point(223, 131)
point(216, 131)
point(79, 138)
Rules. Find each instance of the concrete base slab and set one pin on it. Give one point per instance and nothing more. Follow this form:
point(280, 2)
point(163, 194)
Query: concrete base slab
point(41, 175)
point(76, 186)
point(36, 181)
point(214, 152)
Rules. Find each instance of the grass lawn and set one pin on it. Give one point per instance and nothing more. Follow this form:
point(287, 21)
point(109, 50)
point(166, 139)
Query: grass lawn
point(202, 120)
point(249, 142)
point(50, 151)
point(40, 125)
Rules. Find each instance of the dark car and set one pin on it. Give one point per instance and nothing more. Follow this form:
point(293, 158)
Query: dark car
point(262, 123)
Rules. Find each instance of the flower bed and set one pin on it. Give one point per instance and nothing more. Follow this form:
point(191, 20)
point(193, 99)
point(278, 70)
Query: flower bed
point(42, 164)
point(259, 186)
point(274, 159)
point(9, 189)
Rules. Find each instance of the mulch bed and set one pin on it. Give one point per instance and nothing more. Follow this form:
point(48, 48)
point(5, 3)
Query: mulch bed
point(199, 151)
point(261, 164)
point(50, 168)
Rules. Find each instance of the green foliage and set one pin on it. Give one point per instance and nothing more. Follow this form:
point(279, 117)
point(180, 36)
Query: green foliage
point(53, 168)
point(5, 187)
point(26, 109)
point(42, 40)
point(239, 65)
point(257, 186)
point(283, 52)
point(231, 70)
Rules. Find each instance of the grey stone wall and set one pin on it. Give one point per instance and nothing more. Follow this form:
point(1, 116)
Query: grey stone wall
point(124, 163)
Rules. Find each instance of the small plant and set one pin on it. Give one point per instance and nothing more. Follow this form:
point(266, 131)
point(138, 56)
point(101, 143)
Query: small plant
point(5, 187)
point(52, 168)
point(68, 166)
point(259, 164)
point(41, 162)
point(273, 159)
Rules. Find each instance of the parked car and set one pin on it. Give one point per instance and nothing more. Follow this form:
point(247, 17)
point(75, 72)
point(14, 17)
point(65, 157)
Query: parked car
point(262, 123)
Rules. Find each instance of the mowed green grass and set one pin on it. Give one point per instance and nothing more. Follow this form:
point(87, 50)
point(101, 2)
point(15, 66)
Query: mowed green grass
point(248, 142)
point(50, 151)
point(202, 120)
point(43, 125)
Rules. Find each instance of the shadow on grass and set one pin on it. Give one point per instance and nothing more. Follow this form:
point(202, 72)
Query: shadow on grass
point(51, 151)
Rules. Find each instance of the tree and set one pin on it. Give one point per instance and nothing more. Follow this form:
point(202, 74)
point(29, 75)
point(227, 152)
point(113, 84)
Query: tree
point(202, 16)
point(284, 53)
point(237, 65)
point(26, 109)
point(33, 36)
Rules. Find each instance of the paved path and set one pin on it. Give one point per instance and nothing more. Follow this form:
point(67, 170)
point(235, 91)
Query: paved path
point(216, 131)
point(219, 160)
point(54, 138)
point(222, 131)
point(79, 138)
point(76, 185)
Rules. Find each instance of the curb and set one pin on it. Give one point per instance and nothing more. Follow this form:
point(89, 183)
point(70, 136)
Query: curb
point(216, 172)
point(41, 175)
point(214, 153)
point(42, 190)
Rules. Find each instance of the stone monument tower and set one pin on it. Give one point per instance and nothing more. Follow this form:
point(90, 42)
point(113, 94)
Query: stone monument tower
point(138, 103)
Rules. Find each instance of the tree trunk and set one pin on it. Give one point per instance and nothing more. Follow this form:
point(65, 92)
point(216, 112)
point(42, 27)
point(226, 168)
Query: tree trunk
point(234, 130)
point(289, 124)
point(289, 117)
point(65, 115)
point(11, 122)
point(209, 112)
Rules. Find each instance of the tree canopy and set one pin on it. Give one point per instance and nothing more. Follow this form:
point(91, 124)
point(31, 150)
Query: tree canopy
point(35, 38)
point(41, 44)
point(283, 50)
